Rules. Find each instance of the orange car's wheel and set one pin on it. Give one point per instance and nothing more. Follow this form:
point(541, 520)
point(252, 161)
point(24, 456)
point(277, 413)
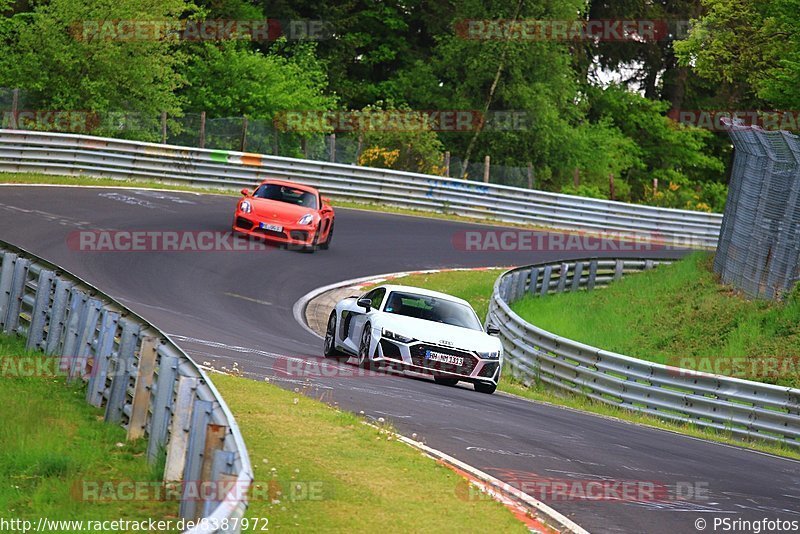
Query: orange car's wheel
point(326, 245)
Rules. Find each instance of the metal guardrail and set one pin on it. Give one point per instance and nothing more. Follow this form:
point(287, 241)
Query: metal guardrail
point(744, 408)
point(146, 383)
point(79, 155)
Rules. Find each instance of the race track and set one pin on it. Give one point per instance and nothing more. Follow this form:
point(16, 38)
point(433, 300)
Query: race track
point(223, 307)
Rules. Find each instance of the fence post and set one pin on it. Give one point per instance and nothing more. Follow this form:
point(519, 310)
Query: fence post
point(530, 175)
point(576, 177)
point(611, 191)
point(486, 165)
point(164, 127)
point(447, 163)
point(655, 186)
point(304, 146)
point(141, 390)
point(244, 133)
point(332, 147)
point(15, 107)
point(215, 439)
point(202, 129)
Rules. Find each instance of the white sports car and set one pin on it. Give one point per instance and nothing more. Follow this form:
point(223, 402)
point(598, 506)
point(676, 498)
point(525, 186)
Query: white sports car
point(419, 330)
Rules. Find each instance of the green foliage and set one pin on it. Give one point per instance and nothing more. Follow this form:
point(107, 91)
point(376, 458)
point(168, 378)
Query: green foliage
point(416, 149)
point(231, 79)
point(57, 55)
point(750, 45)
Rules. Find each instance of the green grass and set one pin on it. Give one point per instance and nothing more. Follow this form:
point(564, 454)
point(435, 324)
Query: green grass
point(680, 315)
point(51, 442)
point(362, 479)
point(476, 288)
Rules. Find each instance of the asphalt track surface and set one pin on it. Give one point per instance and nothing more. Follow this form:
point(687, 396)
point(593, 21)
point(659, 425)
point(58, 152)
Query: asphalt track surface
point(225, 307)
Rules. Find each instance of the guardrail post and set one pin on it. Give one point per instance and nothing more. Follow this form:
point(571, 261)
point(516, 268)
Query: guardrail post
point(521, 281)
point(141, 389)
point(332, 147)
point(6, 277)
point(576, 276)
point(215, 439)
point(58, 313)
point(83, 342)
point(447, 163)
point(548, 270)
point(179, 429)
point(105, 347)
point(592, 275)
point(562, 278)
point(15, 294)
point(41, 304)
point(162, 405)
point(74, 326)
point(618, 269)
point(201, 415)
point(120, 368)
point(221, 467)
point(534, 285)
point(163, 127)
point(486, 167)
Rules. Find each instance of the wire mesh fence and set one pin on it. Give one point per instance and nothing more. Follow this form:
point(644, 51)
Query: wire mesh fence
point(20, 111)
point(759, 245)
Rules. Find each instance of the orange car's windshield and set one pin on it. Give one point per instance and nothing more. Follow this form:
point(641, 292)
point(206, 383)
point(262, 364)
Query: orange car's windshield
point(288, 194)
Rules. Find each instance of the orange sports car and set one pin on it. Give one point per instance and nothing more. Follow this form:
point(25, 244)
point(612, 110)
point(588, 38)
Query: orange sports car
point(286, 212)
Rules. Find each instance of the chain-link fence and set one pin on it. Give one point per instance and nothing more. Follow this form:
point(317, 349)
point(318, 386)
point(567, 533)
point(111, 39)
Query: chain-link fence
point(261, 136)
point(759, 245)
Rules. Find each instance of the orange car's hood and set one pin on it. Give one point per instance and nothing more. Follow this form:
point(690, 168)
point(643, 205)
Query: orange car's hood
point(278, 211)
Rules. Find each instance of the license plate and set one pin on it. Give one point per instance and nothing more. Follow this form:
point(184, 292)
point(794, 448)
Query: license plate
point(271, 227)
point(444, 358)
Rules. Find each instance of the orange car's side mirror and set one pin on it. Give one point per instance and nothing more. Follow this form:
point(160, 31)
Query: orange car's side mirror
point(245, 192)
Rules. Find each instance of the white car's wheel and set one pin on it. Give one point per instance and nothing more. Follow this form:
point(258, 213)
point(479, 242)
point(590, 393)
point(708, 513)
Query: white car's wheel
point(445, 380)
point(363, 348)
point(483, 387)
point(330, 339)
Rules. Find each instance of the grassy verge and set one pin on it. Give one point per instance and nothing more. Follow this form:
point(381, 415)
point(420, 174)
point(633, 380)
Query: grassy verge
point(336, 474)
point(476, 287)
point(680, 315)
point(51, 442)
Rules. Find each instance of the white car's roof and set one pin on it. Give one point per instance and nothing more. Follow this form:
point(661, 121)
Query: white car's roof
point(424, 292)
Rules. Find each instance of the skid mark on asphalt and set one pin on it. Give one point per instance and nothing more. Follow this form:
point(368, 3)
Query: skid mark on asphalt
point(248, 299)
point(159, 308)
point(127, 199)
point(163, 196)
point(52, 217)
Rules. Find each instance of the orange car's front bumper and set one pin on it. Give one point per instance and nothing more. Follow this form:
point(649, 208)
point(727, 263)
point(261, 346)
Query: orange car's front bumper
point(293, 234)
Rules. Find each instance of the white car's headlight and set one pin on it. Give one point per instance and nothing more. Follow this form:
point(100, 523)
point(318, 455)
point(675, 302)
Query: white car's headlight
point(388, 334)
point(308, 218)
point(490, 355)
point(245, 206)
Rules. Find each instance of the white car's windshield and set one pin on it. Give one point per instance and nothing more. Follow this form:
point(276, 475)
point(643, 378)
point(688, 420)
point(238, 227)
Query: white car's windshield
point(432, 309)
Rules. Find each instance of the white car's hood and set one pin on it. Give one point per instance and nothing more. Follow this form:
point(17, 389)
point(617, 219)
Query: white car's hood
point(431, 332)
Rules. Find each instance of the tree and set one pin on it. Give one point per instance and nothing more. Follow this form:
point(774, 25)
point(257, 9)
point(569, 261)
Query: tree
point(93, 65)
point(231, 79)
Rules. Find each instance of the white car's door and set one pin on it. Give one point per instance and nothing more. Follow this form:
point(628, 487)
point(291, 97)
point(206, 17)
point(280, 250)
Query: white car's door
point(357, 317)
